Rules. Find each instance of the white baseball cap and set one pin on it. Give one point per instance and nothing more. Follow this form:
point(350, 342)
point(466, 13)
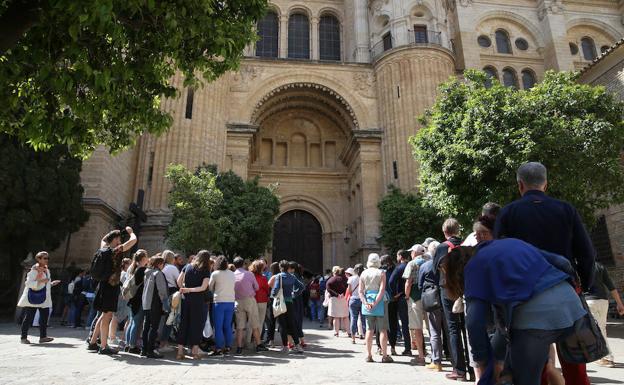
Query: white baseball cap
point(350, 271)
point(418, 248)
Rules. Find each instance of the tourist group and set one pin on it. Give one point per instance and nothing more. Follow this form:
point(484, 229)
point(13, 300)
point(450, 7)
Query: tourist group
point(501, 304)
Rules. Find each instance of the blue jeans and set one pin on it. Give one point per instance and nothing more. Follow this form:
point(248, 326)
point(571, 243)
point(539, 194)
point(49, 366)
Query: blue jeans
point(223, 313)
point(529, 353)
point(453, 321)
point(133, 328)
point(316, 310)
point(355, 310)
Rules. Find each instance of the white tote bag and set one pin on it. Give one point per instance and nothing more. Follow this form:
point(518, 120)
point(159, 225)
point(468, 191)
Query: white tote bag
point(279, 305)
point(207, 327)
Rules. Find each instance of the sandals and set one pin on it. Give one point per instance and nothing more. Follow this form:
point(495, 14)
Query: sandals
point(180, 356)
point(369, 359)
point(387, 359)
point(197, 357)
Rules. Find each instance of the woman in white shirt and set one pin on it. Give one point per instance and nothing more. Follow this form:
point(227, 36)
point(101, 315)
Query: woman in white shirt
point(222, 283)
point(37, 296)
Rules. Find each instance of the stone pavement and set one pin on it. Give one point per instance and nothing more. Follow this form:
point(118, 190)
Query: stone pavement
point(328, 360)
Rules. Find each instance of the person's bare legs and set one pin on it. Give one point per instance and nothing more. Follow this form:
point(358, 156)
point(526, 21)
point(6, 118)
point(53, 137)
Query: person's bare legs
point(240, 335)
point(96, 330)
point(104, 324)
point(369, 341)
point(112, 329)
point(256, 335)
point(383, 336)
point(336, 326)
point(555, 377)
point(420, 343)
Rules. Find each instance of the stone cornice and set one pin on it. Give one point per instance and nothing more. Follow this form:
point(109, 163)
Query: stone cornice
point(241, 128)
point(99, 204)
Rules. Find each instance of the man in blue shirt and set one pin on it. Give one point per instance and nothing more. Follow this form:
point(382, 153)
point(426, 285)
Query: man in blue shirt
point(552, 225)
point(397, 307)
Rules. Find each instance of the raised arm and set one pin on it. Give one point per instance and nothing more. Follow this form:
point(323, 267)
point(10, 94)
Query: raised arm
point(130, 242)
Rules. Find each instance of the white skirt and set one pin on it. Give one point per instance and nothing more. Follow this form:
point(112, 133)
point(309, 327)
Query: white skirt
point(338, 307)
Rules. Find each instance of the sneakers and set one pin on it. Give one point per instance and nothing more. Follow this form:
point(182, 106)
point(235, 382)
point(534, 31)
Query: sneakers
point(154, 354)
point(107, 351)
point(393, 352)
point(43, 340)
point(606, 363)
point(25, 341)
point(134, 350)
point(239, 351)
point(93, 347)
point(296, 350)
point(435, 367)
point(261, 348)
point(406, 353)
point(285, 349)
point(417, 361)
point(387, 360)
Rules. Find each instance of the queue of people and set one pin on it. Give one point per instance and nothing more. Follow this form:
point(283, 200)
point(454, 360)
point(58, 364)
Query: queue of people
point(486, 302)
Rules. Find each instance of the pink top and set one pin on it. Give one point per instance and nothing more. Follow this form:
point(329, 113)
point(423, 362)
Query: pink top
point(246, 284)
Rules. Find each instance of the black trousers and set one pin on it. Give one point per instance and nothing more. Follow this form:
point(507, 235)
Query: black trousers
point(150, 328)
point(270, 322)
point(397, 310)
point(288, 325)
point(29, 316)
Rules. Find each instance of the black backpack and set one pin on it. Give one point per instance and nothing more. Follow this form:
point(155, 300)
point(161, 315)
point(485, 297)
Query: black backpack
point(102, 264)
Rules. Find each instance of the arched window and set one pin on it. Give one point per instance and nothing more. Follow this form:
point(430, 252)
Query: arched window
point(503, 45)
point(329, 38)
point(268, 31)
point(298, 36)
point(528, 79)
point(509, 78)
point(492, 74)
point(589, 48)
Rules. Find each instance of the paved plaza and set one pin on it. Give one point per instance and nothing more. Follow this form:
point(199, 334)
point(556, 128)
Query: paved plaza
point(328, 360)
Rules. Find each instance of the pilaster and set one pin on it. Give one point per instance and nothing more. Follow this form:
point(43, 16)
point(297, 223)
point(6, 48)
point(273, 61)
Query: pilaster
point(283, 37)
point(239, 137)
point(552, 21)
point(314, 38)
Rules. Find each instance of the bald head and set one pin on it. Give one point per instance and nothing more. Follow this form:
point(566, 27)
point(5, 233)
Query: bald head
point(532, 176)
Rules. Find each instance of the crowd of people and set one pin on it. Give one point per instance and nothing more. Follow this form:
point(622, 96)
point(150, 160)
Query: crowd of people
point(496, 303)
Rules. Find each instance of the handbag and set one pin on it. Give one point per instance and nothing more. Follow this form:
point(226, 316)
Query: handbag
point(585, 343)
point(37, 297)
point(431, 298)
point(378, 310)
point(279, 304)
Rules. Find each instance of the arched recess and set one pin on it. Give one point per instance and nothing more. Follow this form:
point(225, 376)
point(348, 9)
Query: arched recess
point(612, 33)
point(520, 21)
point(332, 90)
point(313, 206)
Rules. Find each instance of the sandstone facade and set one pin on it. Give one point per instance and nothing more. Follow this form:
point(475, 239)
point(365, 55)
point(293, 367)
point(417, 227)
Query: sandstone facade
point(333, 133)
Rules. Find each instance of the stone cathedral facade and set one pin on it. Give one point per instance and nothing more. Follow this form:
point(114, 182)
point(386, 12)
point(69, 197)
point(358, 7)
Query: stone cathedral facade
point(324, 104)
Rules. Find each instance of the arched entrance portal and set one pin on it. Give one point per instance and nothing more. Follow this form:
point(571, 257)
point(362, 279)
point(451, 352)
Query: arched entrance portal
point(297, 236)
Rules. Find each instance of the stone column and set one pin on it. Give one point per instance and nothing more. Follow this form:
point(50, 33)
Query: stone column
point(369, 143)
point(283, 36)
point(239, 137)
point(314, 39)
point(553, 23)
point(362, 34)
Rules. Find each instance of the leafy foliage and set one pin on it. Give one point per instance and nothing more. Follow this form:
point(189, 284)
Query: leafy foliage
point(246, 216)
point(475, 138)
point(40, 198)
point(83, 73)
point(193, 200)
point(406, 219)
point(220, 212)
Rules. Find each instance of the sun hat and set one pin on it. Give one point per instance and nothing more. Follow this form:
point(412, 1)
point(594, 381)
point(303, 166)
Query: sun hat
point(373, 260)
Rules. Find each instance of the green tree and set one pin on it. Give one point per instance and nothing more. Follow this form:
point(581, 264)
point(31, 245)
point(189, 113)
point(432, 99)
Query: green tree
point(40, 200)
point(193, 200)
point(245, 217)
point(475, 137)
point(82, 73)
point(406, 219)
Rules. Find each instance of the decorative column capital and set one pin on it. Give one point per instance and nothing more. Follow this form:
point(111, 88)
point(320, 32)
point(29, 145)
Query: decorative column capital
point(546, 7)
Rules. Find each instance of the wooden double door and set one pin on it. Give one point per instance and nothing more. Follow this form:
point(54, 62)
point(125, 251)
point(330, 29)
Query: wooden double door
point(298, 236)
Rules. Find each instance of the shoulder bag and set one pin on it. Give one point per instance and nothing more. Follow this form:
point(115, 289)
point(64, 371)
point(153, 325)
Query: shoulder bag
point(279, 304)
point(585, 343)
